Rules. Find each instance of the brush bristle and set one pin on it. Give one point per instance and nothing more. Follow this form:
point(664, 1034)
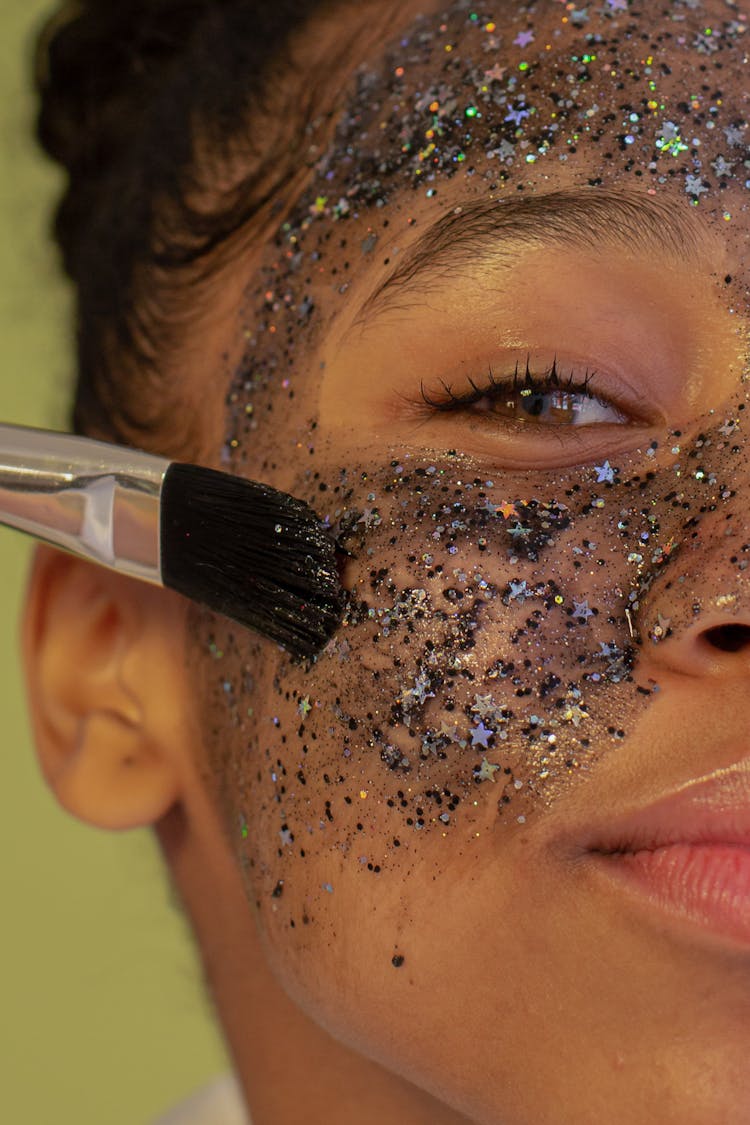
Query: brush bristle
point(252, 553)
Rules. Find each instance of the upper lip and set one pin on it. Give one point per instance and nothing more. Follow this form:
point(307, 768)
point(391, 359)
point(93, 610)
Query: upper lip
point(709, 810)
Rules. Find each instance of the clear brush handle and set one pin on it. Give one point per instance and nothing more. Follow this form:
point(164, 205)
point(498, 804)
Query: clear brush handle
point(97, 500)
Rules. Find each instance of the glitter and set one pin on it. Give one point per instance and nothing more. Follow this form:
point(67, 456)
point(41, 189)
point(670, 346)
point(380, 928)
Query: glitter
point(472, 111)
point(574, 714)
point(659, 630)
point(486, 771)
point(581, 609)
point(496, 73)
point(669, 140)
point(524, 38)
point(480, 735)
point(490, 27)
point(474, 638)
point(518, 114)
point(369, 518)
point(694, 185)
point(304, 707)
point(483, 706)
point(721, 166)
point(327, 887)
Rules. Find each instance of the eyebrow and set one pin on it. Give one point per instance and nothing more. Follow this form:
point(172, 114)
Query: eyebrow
point(590, 220)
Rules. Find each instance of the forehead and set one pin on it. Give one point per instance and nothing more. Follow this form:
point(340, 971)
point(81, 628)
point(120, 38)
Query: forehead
point(508, 105)
point(508, 98)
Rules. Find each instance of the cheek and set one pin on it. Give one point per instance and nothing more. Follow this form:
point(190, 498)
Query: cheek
point(486, 660)
point(482, 657)
point(485, 666)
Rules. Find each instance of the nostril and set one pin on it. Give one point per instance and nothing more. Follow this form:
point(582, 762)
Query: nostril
point(728, 638)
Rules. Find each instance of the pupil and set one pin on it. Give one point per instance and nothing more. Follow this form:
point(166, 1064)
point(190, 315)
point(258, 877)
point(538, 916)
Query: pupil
point(533, 404)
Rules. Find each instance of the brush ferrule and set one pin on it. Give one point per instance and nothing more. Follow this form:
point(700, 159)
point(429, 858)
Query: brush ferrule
point(97, 500)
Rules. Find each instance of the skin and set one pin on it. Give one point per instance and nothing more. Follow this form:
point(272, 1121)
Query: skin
point(480, 969)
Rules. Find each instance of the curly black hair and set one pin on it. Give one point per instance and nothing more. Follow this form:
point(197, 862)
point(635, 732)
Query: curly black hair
point(148, 104)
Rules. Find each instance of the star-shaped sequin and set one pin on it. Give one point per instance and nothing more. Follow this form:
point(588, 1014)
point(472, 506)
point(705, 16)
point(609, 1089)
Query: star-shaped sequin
point(574, 714)
point(518, 531)
point(486, 772)
point(581, 609)
point(721, 166)
point(517, 114)
point(694, 185)
point(483, 706)
point(369, 518)
point(524, 38)
point(659, 631)
point(481, 735)
point(419, 693)
point(496, 73)
point(304, 706)
point(604, 473)
point(448, 730)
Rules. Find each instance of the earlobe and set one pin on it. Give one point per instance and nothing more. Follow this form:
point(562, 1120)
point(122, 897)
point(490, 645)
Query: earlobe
point(105, 690)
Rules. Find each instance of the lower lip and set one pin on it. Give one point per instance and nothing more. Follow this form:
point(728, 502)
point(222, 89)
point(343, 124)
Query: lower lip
point(704, 884)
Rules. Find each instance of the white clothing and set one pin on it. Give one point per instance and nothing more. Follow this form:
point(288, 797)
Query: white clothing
point(219, 1103)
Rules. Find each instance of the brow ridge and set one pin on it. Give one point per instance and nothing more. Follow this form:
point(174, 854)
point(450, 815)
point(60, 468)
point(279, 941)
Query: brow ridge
point(584, 219)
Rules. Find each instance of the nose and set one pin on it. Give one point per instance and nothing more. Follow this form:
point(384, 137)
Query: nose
point(695, 616)
point(713, 645)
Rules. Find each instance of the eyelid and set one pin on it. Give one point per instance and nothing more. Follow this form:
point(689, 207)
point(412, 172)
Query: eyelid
point(636, 409)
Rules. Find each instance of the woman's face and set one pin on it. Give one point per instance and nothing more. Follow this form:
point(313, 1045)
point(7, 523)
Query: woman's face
point(500, 345)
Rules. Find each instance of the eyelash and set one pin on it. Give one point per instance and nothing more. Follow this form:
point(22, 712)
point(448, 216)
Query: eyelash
point(495, 389)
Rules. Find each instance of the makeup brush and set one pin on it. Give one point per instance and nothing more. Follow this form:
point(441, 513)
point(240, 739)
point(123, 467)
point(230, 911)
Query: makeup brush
point(243, 549)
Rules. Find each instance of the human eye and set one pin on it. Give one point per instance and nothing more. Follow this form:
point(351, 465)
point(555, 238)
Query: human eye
point(545, 399)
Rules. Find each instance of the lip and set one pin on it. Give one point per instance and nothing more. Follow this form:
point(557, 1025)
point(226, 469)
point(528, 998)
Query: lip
point(687, 854)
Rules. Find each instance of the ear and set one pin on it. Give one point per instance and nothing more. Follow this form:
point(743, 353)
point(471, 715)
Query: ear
point(107, 690)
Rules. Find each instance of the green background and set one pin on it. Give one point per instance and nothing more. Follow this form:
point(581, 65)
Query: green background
point(104, 1020)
